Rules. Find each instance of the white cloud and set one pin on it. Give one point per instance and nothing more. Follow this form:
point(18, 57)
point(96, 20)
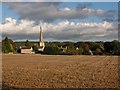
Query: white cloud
point(66, 9)
point(64, 30)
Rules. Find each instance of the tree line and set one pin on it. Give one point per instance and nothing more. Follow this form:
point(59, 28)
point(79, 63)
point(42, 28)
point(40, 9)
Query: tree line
point(65, 48)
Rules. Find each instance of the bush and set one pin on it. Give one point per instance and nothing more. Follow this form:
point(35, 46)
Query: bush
point(98, 51)
point(51, 50)
point(35, 48)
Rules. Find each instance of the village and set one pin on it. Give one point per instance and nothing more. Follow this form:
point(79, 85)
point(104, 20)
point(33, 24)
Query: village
point(59, 45)
point(60, 48)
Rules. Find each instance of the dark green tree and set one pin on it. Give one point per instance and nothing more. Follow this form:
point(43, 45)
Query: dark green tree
point(51, 50)
point(108, 47)
point(35, 48)
point(80, 51)
point(116, 47)
point(27, 43)
point(8, 46)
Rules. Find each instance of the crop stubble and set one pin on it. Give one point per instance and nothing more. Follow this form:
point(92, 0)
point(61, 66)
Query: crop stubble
point(44, 71)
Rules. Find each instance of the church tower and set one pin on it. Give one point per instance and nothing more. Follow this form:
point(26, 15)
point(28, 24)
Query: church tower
point(41, 43)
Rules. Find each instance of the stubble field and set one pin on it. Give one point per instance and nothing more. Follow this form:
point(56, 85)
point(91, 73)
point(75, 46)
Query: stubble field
point(44, 71)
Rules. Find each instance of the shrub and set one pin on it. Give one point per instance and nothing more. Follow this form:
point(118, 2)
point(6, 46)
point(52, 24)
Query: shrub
point(98, 51)
point(51, 50)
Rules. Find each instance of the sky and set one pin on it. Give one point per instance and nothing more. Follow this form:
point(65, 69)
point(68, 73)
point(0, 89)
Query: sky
point(60, 0)
point(60, 21)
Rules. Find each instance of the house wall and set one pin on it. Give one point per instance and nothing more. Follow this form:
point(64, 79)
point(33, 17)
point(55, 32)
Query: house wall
point(26, 51)
point(41, 44)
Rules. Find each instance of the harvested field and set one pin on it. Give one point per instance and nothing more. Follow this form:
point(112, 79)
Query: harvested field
point(44, 71)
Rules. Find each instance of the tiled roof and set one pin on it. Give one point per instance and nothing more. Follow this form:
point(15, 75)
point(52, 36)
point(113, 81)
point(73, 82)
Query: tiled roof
point(24, 47)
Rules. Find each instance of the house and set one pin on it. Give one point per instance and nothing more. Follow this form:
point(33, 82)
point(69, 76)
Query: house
point(26, 50)
point(63, 48)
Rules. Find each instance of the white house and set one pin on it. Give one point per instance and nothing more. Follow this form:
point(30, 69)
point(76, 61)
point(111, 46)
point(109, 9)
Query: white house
point(26, 50)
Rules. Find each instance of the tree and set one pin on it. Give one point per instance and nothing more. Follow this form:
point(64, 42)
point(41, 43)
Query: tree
point(80, 51)
point(116, 47)
point(108, 47)
point(27, 43)
point(35, 48)
point(98, 51)
point(86, 49)
point(112, 47)
point(7, 46)
point(51, 50)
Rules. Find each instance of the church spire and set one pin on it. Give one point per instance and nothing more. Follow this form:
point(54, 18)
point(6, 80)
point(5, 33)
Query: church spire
point(41, 43)
point(41, 36)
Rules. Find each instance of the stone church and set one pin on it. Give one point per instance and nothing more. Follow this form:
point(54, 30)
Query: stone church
point(41, 45)
point(41, 42)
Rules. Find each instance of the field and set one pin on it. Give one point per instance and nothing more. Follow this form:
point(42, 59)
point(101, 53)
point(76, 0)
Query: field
point(44, 71)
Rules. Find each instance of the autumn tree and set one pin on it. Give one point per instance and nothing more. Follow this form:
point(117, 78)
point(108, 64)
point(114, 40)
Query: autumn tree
point(7, 46)
point(86, 48)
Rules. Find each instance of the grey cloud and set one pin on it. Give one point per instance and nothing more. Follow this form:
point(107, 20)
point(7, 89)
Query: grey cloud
point(65, 30)
point(83, 5)
point(21, 36)
point(49, 11)
point(31, 0)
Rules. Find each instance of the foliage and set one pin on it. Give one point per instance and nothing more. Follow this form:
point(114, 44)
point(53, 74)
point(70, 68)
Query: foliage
point(35, 48)
point(108, 47)
point(51, 50)
point(27, 43)
point(66, 48)
point(7, 46)
point(98, 51)
point(86, 49)
point(80, 51)
point(116, 47)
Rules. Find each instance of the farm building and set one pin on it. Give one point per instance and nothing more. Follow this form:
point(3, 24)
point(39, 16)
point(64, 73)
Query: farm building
point(26, 50)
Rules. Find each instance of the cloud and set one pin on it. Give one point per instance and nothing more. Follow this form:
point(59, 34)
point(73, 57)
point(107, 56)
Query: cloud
point(50, 11)
point(65, 30)
point(10, 0)
point(60, 0)
point(84, 5)
point(31, 0)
